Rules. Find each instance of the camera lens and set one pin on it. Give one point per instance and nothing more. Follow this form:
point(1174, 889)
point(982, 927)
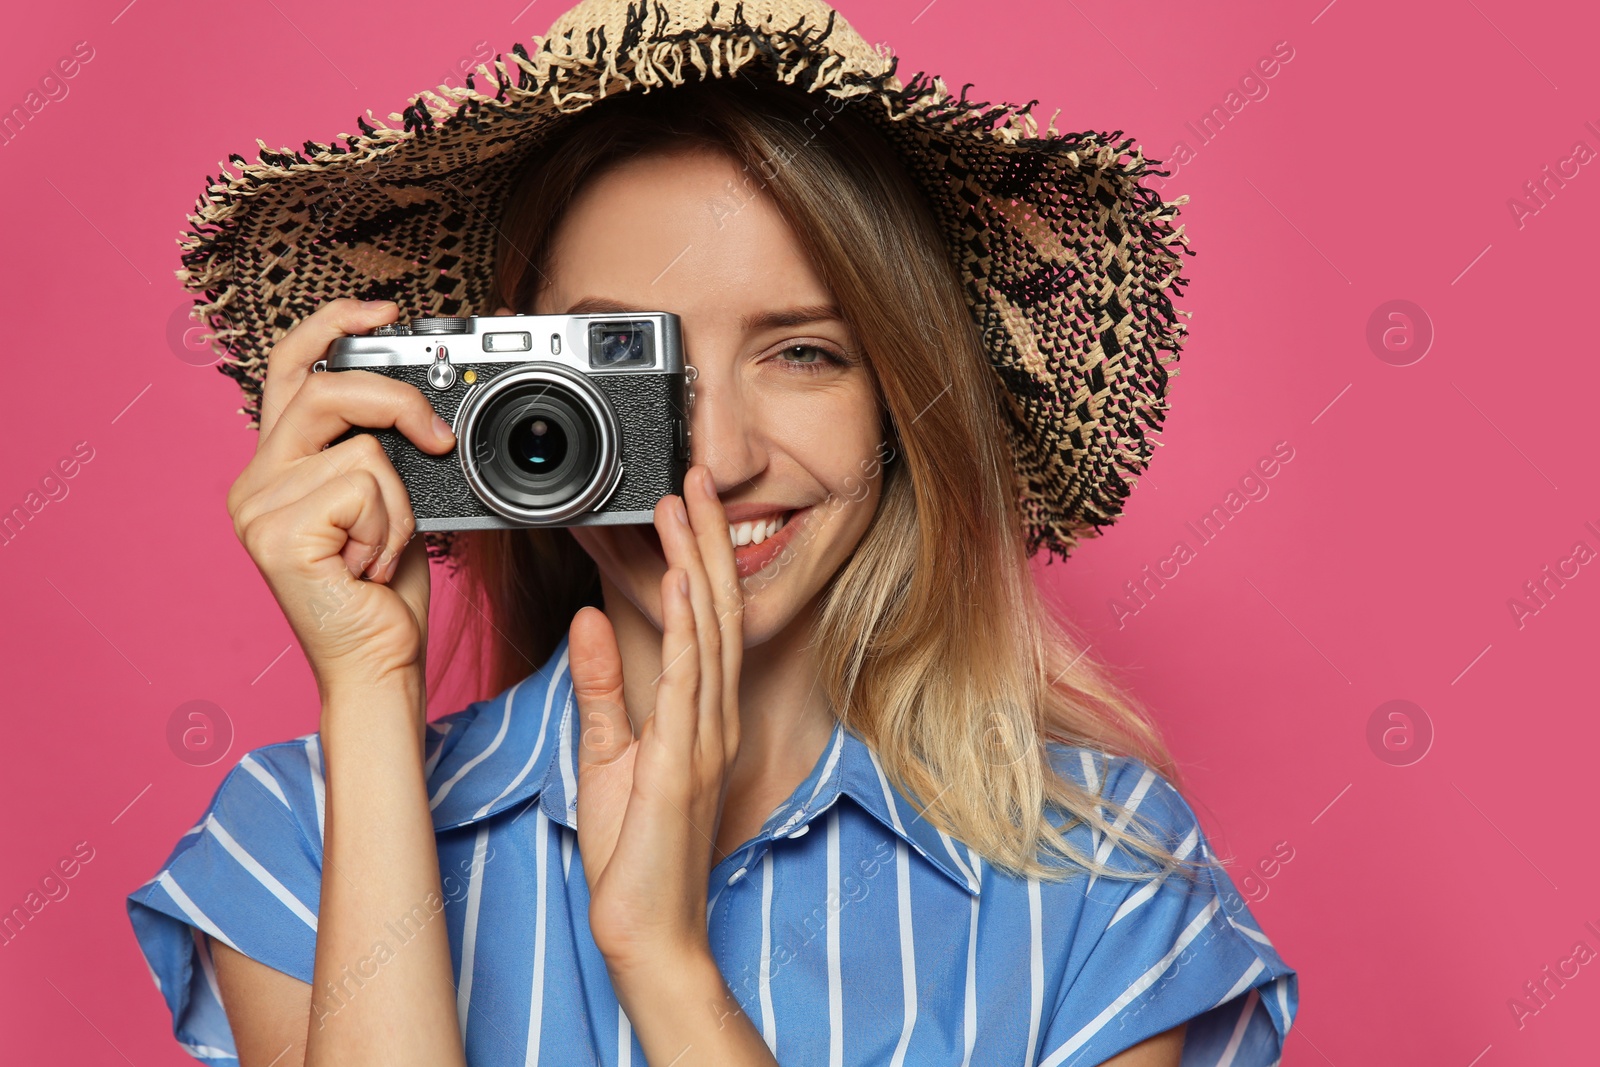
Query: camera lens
point(539, 445)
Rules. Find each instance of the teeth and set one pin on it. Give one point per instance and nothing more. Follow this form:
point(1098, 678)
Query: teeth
point(755, 531)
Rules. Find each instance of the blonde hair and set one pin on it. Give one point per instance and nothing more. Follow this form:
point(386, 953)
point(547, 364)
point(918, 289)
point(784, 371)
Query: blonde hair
point(933, 641)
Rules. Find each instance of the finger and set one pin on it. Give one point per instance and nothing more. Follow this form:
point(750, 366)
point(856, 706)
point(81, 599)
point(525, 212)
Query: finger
point(321, 525)
point(328, 404)
point(710, 522)
point(674, 721)
point(370, 534)
point(361, 452)
point(682, 550)
point(410, 575)
point(289, 362)
point(596, 666)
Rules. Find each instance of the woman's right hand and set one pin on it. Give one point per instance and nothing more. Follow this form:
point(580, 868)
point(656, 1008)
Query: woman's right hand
point(319, 519)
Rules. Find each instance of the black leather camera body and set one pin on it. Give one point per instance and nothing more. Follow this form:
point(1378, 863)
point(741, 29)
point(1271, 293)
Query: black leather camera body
point(560, 420)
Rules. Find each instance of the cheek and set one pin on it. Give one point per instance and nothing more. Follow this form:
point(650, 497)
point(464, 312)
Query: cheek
point(851, 467)
point(858, 469)
point(838, 436)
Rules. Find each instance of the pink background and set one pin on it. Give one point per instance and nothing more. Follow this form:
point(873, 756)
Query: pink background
point(1420, 498)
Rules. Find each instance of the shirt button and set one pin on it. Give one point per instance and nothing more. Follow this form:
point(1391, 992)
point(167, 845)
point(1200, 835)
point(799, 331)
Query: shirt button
point(800, 831)
point(736, 875)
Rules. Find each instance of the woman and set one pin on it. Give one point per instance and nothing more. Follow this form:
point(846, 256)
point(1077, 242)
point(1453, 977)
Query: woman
point(831, 628)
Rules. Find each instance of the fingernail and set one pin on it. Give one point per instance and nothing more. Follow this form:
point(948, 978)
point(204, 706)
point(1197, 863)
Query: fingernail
point(394, 565)
point(679, 512)
point(683, 582)
point(441, 429)
point(707, 486)
point(376, 303)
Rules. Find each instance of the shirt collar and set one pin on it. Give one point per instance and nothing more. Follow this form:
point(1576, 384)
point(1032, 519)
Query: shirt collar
point(518, 748)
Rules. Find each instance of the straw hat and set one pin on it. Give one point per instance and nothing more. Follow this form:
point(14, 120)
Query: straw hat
point(1066, 259)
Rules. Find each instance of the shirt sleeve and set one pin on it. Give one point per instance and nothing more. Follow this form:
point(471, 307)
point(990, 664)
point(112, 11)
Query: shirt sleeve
point(250, 875)
point(1168, 951)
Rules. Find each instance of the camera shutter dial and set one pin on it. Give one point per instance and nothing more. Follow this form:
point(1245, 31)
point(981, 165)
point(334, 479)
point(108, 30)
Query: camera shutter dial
point(443, 324)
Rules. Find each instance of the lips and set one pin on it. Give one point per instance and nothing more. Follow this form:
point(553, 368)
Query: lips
point(748, 559)
point(753, 558)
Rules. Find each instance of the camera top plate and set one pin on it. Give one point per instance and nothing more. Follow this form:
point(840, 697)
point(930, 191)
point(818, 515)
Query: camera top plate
point(585, 343)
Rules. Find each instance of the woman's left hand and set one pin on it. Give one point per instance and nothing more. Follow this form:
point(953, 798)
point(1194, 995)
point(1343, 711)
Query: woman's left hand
point(649, 807)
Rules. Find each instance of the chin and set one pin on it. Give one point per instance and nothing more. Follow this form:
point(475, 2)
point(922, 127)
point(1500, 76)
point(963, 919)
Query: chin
point(769, 612)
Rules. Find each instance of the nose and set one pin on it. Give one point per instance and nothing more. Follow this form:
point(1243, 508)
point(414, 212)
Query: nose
point(726, 431)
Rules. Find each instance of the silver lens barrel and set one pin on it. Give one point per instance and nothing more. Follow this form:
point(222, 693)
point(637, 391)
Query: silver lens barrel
point(539, 445)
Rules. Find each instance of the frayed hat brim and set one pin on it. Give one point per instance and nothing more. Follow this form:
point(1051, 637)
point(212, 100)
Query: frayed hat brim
point(1069, 264)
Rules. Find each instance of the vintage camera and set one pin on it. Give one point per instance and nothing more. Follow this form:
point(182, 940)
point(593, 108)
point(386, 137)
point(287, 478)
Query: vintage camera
point(560, 420)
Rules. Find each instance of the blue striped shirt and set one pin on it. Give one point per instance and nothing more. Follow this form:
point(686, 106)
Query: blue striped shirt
point(851, 930)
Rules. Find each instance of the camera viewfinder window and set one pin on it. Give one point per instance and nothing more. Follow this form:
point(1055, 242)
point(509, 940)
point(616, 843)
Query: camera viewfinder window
point(615, 345)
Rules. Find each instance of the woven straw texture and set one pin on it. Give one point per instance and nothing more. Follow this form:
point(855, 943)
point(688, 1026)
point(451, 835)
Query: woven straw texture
point(1069, 264)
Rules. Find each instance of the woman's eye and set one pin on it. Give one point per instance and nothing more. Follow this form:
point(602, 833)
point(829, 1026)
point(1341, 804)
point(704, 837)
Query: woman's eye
point(809, 359)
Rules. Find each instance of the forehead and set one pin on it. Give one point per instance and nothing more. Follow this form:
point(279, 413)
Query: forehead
point(689, 231)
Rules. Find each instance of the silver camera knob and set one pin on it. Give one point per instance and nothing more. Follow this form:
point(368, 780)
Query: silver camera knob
point(439, 325)
point(441, 375)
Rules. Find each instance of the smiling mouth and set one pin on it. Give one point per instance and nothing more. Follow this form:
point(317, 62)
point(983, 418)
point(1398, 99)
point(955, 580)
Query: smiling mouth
point(757, 530)
point(751, 557)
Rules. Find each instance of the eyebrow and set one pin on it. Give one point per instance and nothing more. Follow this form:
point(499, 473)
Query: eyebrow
point(766, 320)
